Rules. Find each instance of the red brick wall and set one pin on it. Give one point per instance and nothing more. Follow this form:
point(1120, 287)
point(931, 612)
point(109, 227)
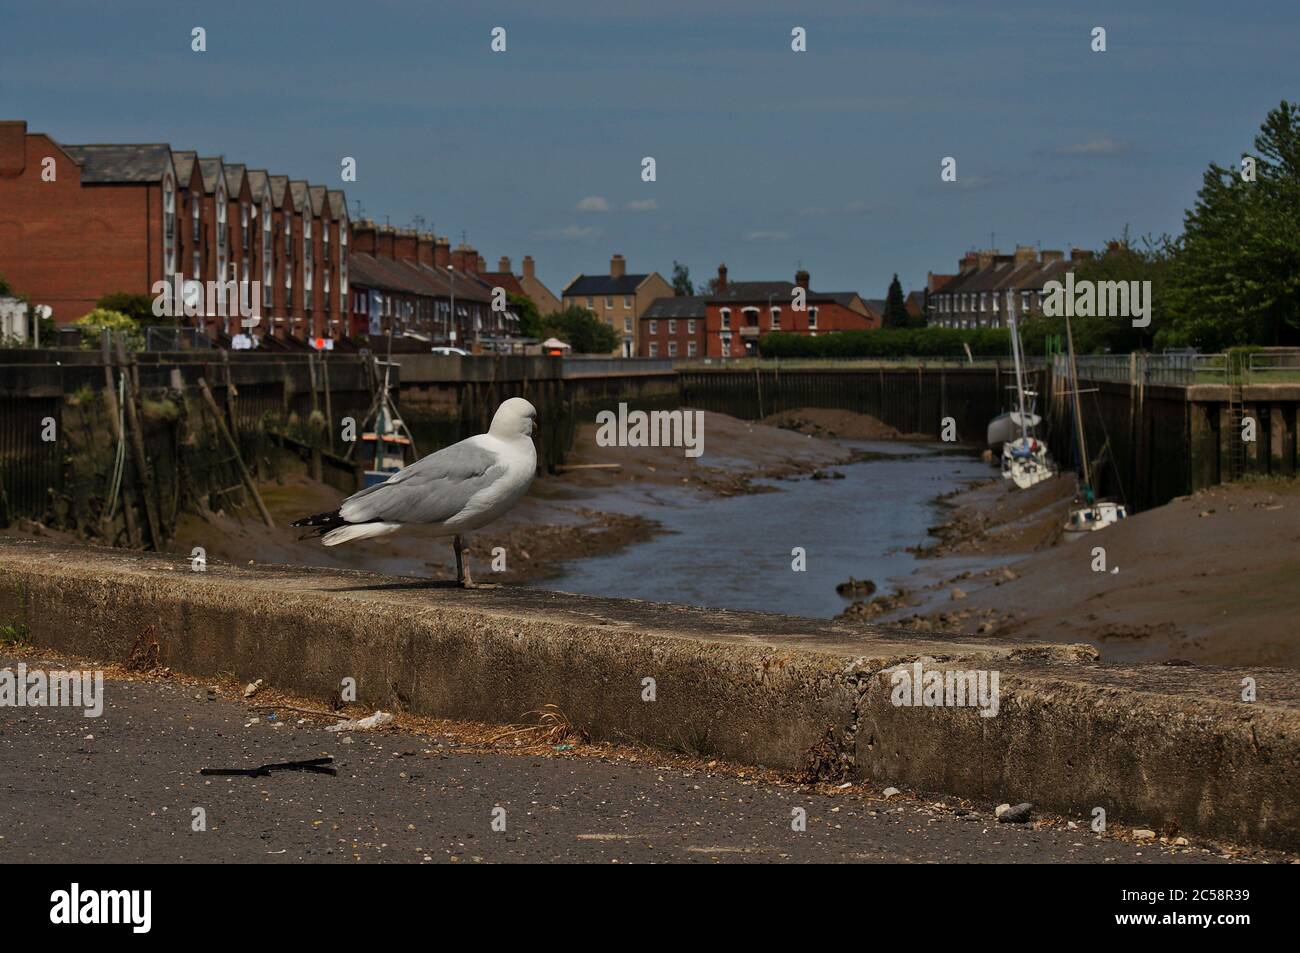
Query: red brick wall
point(830, 317)
point(67, 245)
point(662, 337)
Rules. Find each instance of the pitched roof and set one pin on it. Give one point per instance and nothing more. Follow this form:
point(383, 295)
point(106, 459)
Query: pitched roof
point(371, 271)
point(680, 306)
point(876, 305)
point(338, 204)
point(317, 193)
point(759, 292)
point(603, 285)
point(257, 183)
point(299, 191)
point(103, 164)
point(210, 168)
point(278, 184)
point(503, 279)
point(235, 173)
point(184, 162)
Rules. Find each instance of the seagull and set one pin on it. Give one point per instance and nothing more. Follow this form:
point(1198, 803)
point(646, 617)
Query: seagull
point(448, 493)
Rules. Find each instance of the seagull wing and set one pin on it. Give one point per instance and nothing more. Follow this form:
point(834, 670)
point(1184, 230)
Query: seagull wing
point(431, 490)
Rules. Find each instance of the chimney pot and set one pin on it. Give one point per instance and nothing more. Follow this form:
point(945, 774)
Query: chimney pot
point(503, 265)
point(722, 276)
point(801, 279)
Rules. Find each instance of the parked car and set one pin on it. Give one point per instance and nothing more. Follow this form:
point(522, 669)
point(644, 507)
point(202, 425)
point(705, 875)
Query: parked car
point(451, 350)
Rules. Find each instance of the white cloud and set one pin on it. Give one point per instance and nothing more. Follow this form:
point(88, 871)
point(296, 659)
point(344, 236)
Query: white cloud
point(593, 203)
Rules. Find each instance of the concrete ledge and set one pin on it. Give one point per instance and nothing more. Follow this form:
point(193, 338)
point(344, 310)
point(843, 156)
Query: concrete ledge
point(1152, 745)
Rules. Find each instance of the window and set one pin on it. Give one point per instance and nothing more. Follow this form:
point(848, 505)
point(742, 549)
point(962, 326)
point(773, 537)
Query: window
point(169, 225)
point(609, 302)
point(654, 349)
point(726, 319)
point(268, 242)
point(591, 302)
point(776, 319)
point(194, 215)
point(222, 211)
point(627, 325)
point(812, 318)
point(690, 326)
point(672, 327)
point(288, 237)
point(672, 348)
point(306, 258)
point(654, 327)
point(243, 225)
point(690, 348)
point(1024, 301)
point(627, 302)
point(343, 257)
point(984, 299)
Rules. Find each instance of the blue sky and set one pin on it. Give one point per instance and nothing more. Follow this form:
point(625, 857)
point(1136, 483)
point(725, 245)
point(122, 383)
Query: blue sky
point(765, 157)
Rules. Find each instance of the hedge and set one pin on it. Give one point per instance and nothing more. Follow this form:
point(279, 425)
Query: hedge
point(889, 342)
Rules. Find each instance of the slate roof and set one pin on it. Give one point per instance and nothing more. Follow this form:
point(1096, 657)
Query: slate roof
point(371, 271)
point(184, 162)
point(257, 182)
point(603, 285)
point(338, 204)
point(680, 306)
point(278, 184)
point(503, 279)
point(758, 292)
point(317, 193)
point(299, 192)
point(235, 173)
point(210, 169)
point(104, 164)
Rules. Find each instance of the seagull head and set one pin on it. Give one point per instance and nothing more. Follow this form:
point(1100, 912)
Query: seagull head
point(515, 417)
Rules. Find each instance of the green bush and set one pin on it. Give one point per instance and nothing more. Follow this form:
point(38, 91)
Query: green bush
point(889, 342)
point(93, 324)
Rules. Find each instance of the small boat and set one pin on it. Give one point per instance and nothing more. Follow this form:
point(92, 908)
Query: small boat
point(384, 447)
point(1088, 514)
point(1024, 456)
point(1005, 426)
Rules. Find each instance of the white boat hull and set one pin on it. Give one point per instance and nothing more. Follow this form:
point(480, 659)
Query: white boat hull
point(1025, 462)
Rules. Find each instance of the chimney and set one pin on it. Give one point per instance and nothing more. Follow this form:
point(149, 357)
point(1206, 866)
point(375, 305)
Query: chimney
point(13, 147)
point(1080, 254)
point(480, 265)
point(1025, 254)
point(1047, 257)
point(528, 266)
point(424, 248)
point(503, 265)
point(617, 267)
point(442, 252)
point(464, 258)
point(968, 260)
point(363, 236)
point(722, 276)
point(986, 257)
point(384, 235)
point(404, 244)
point(801, 279)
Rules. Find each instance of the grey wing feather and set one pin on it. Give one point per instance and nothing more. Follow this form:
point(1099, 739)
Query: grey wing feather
point(431, 490)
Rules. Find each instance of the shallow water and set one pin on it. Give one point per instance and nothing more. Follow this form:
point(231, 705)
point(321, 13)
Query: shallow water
point(735, 552)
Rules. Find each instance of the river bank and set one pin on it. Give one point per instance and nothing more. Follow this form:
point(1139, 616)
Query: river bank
point(1211, 578)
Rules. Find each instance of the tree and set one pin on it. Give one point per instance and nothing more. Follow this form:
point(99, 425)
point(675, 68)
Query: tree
point(137, 307)
point(1123, 260)
point(1236, 278)
point(581, 330)
point(682, 286)
point(895, 306)
point(530, 319)
point(6, 291)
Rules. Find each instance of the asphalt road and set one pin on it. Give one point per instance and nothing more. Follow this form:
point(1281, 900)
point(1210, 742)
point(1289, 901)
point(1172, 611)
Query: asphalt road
point(123, 788)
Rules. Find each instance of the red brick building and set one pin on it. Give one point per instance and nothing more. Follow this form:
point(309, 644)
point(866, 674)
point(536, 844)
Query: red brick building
point(79, 222)
point(674, 327)
point(738, 313)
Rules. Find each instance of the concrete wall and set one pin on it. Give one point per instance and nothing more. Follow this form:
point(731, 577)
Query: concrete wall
point(1153, 745)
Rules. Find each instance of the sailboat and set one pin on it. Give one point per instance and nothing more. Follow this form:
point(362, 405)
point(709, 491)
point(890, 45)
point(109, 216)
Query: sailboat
point(1093, 514)
point(387, 439)
point(1024, 458)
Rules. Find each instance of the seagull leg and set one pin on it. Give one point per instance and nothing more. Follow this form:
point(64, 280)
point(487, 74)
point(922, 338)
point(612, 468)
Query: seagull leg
point(462, 563)
point(462, 567)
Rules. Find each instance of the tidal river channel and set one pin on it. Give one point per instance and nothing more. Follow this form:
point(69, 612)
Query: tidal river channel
point(736, 552)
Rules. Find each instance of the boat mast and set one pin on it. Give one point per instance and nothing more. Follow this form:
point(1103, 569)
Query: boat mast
point(1015, 353)
point(1078, 411)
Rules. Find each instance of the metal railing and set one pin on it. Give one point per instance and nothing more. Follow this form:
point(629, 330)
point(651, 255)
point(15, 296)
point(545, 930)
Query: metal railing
point(1266, 366)
point(614, 366)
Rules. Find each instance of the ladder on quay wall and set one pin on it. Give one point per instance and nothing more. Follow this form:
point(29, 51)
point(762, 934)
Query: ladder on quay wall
point(1236, 413)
